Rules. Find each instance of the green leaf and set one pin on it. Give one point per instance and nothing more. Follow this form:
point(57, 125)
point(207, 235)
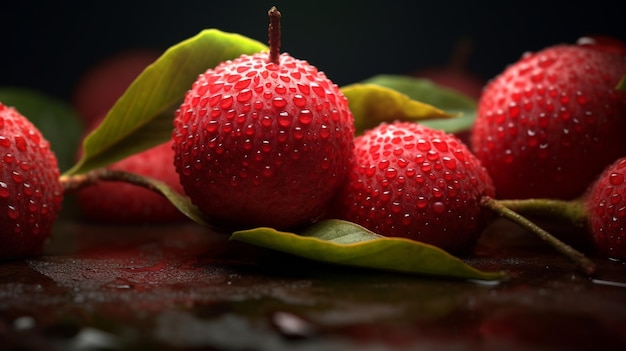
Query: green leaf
point(55, 119)
point(424, 90)
point(372, 104)
point(344, 243)
point(143, 115)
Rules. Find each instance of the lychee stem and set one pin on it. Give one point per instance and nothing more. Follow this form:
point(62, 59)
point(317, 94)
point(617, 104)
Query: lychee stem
point(587, 266)
point(573, 211)
point(78, 181)
point(274, 34)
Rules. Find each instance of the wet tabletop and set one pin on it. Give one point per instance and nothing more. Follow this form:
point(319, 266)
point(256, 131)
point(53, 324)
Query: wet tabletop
point(183, 287)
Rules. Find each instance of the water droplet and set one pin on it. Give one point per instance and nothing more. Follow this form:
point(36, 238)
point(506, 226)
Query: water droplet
point(227, 102)
point(9, 158)
point(437, 193)
point(284, 120)
point(299, 100)
point(449, 163)
point(12, 212)
point(214, 100)
point(298, 133)
point(514, 110)
point(280, 89)
point(279, 102)
point(324, 131)
point(423, 145)
point(305, 117)
point(17, 177)
point(439, 207)
point(390, 173)
point(32, 206)
point(421, 202)
point(215, 87)
point(249, 129)
point(266, 146)
point(318, 90)
point(4, 190)
point(616, 178)
point(242, 84)
point(244, 95)
point(212, 126)
point(4, 141)
point(266, 121)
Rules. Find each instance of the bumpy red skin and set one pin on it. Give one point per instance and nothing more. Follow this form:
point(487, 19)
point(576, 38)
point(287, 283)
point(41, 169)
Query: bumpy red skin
point(30, 192)
point(606, 210)
point(415, 182)
point(261, 144)
point(119, 202)
point(549, 124)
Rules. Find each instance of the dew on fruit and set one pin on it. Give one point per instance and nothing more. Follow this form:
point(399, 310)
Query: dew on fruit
point(440, 145)
point(324, 132)
point(226, 102)
point(266, 146)
point(423, 145)
point(17, 177)
point(298, 133)
point(421, 202)
point(266, 121)
point(216, 87)
point(449, 163)
point(390, 173)
point(438, 207)
point(280, 89)
point(9, 158)
point(244, 95)
point(284, 119)
point(279, 102)
point(616, 178)
point(12, 212)
point(318, 90)
point(4, 190)
point(299, 100)
point(432, 155)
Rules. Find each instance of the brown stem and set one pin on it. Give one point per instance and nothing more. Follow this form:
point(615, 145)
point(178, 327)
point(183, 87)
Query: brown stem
point(585, 264)
point(75, 182)
point(274, 34)
point(181, 202)
point(573, 211)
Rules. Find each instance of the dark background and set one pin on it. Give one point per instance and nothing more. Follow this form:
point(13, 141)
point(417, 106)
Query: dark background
point(46, 45)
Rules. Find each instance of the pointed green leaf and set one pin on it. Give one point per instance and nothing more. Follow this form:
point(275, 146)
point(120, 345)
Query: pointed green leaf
point(56, 119)
point(344, 243)
point(372, 104)
point(424, 90)
point(143, 115)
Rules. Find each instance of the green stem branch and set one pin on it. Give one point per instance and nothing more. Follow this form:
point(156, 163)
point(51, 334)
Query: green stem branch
point(587, 266)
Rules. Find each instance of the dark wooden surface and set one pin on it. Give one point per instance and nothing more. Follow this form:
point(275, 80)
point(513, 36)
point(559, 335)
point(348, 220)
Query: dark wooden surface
point(181, 287)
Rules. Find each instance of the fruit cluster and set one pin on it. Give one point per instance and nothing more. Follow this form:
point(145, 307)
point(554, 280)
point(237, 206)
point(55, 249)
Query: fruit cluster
point(268, 140)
